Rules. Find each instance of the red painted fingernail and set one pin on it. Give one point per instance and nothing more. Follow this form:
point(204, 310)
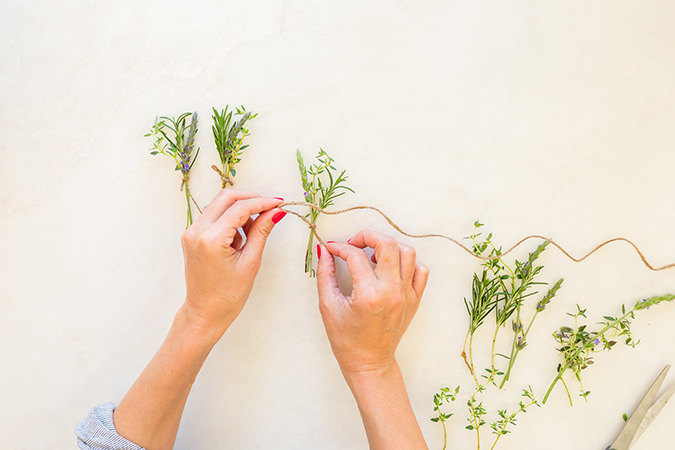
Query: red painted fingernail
point(330, 242)
point(349, 241)
point(278, 216)
point(318, 251)
point(279, 198)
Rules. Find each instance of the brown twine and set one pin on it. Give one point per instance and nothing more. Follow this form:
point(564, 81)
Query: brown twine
point(223, 178)
point(455, 241)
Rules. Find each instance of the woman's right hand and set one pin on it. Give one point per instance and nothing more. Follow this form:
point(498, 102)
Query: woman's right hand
point(219, 270)
point(365, 328)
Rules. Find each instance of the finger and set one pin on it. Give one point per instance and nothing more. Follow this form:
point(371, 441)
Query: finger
point(326, 281)
point(247, 226)
point(386, 252)
point(258, 231)
point(238, 240)
point(407, 256)
point(221, 203)
point(357, 261)
point(419, 279)
point(242, 233)
point(237, 215)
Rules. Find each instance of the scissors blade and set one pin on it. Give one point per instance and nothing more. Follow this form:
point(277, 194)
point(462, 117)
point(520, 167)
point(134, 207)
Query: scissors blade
point(653, 412)
point(625, 438)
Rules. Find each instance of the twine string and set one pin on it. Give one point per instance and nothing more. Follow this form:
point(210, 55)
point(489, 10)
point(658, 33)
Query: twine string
point(458, 243)
point(223, 178)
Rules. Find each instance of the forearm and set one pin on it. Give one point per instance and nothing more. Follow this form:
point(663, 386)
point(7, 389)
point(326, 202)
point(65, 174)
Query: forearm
point(385, 409)
point(150, 413)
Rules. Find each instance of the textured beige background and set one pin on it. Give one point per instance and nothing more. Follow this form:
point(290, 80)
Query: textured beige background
point(535, 117)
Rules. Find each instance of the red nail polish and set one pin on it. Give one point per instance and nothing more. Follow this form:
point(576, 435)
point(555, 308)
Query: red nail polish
point(349, 241)
point(318, 251)
point(278, 216)
point(330, 242)
point(279, 198)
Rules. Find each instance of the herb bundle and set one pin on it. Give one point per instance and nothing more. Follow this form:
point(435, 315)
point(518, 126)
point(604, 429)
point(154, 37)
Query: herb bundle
point(175, 137)
point(320, 192)
point(229, 135)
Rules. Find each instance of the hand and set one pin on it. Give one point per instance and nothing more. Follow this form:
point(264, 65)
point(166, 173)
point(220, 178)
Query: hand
point(219, 270)
point(365, 328)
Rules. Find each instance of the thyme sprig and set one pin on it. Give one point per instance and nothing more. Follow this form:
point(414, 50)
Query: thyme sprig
point(175, 137)
point(444, 396)
point(229, 138)
point(499, 427)
point(578, 344)
point(320, 192)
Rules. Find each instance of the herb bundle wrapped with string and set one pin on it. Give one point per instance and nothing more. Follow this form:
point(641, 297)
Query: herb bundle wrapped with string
point(178, 143)
point(578, 344)
point(229, 138)
point(319, 194)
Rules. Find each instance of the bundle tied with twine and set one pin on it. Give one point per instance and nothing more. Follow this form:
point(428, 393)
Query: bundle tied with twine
point(225, 180)
point(455, 241)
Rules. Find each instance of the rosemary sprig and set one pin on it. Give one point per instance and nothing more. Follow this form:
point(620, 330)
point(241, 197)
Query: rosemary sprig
point(318, 193)
point(174, 137)
point(229, 138)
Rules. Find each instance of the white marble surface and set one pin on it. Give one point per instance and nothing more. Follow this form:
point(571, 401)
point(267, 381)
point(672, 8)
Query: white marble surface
point(534, 117)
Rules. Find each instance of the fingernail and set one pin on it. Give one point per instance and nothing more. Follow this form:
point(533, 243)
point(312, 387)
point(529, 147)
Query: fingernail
point(349, 241)
point(279, 198)
point(278, 216)
point(330, 242)
point(318, 251)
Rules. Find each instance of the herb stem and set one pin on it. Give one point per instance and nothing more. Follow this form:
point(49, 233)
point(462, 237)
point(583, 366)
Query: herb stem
point(189, 209)
point(445, 435)
point(514, 349)
point(569, 396)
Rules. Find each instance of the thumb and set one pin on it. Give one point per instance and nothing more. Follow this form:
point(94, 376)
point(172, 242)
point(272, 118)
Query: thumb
point(260, 229)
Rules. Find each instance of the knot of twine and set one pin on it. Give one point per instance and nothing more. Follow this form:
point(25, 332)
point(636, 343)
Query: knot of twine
point(184, 181)
point(312, 227)
point(223, 178)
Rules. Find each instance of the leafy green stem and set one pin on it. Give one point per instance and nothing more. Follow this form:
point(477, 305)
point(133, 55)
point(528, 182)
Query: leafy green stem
point(577, 342)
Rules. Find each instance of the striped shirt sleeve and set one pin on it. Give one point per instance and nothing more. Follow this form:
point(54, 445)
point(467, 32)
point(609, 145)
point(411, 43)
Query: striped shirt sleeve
point(97, 431)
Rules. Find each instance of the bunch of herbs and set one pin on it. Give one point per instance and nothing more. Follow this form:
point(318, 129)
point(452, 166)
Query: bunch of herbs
point(175, 137)
point(322, 185)
point(229, 135)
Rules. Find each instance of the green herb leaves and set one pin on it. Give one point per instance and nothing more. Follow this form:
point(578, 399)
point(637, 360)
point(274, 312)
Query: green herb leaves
point(228, 135)
point(320, 192)
point(175, 137)
point(577, 344)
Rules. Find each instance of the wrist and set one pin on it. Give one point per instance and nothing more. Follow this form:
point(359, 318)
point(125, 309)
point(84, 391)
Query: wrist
point(366, 374)
point(198, 328)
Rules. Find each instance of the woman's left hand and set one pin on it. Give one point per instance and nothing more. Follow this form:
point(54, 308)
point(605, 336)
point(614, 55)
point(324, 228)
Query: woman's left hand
point(219, 267)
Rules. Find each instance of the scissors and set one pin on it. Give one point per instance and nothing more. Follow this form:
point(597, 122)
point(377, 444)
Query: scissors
point(644, 414)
